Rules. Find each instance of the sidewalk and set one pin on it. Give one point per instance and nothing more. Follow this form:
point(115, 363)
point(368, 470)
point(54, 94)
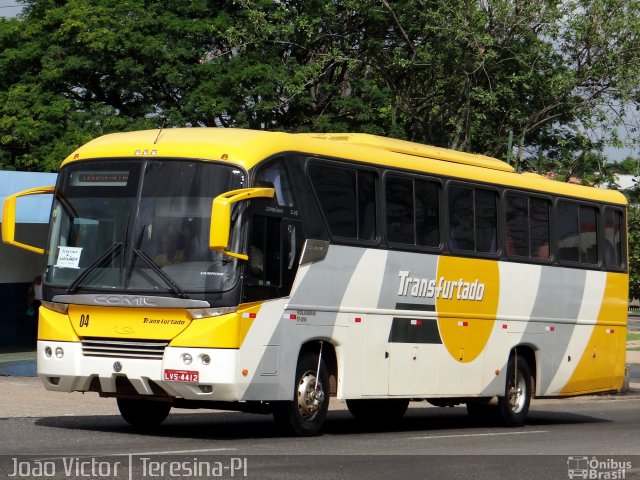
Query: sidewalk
point(633, 351)
point(18, 364)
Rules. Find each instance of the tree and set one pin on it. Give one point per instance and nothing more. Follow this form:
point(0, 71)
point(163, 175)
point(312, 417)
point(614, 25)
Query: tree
point(628, 166)
point(456, 73)
point(88, 68)
point(633, 222)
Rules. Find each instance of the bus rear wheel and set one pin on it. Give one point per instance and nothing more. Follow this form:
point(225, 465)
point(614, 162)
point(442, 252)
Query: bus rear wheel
point(143, 413)
point(380, 409)
point(305, 415)
point(514, 405)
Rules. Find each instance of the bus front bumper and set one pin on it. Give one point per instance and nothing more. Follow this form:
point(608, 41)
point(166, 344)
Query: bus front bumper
point(63, 367)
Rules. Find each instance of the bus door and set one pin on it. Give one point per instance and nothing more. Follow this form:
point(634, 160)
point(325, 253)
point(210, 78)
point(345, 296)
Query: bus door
point(275, 237)
point(274, 250)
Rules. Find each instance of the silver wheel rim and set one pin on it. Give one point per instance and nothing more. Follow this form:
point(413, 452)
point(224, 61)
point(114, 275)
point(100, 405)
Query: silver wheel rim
point(517, 393)
point(310, 396)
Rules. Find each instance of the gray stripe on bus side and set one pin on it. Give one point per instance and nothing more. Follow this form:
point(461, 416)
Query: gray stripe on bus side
point(553, 344)
point(324, 284)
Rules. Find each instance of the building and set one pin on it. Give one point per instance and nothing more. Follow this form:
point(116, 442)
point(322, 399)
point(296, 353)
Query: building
point(19, 267)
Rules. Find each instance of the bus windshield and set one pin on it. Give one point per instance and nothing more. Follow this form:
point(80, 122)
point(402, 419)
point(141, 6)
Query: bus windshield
point(139, 226)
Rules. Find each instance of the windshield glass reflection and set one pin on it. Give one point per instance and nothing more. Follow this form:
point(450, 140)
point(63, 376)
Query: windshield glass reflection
point(158, 210)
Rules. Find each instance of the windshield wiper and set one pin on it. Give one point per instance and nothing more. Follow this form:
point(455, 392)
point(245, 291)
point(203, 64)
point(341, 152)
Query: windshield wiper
point(161, 273)
point(102, 260)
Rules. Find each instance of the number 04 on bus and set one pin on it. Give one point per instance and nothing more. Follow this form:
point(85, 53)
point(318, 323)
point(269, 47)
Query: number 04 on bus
point(269, 272)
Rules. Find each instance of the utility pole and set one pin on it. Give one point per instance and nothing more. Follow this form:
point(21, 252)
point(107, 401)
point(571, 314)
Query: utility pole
point(510, 147)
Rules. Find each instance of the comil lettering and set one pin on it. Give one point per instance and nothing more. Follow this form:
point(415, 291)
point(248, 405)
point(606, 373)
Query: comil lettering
point(440, 288)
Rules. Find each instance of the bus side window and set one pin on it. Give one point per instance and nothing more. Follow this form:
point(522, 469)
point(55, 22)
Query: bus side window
point(275, 175)
point(461, 234)
point(473, 219)
point(347, 198)
point(427, 198)
point(577, 233)
point(568, 233)
point(588, 235)
point(613, 234)
point(412, 211)
point(486, 213)
point(516, 226)
point(539, 219)
point(527, 227)
point(400, 210)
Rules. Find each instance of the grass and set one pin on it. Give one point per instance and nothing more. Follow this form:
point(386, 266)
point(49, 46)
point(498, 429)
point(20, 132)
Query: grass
point(633, 336)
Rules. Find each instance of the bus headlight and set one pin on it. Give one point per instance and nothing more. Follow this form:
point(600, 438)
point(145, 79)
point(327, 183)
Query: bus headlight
point(197, 313)
point(48, 352)
point(56, 307)
point(206, 359)
point(59, 352)
point(187, 358)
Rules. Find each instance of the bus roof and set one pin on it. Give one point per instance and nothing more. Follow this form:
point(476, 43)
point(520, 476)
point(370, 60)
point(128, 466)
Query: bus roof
point(246, 148)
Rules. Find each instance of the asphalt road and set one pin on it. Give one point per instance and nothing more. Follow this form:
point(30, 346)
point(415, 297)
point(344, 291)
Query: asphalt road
point(427, 443)
point(72, 434)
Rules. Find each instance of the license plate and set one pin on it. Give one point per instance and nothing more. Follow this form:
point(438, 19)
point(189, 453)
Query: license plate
point(181, 375)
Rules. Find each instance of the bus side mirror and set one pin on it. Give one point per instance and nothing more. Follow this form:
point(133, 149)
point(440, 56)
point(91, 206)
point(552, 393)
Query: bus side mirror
point(221, 217)
point(9, 217)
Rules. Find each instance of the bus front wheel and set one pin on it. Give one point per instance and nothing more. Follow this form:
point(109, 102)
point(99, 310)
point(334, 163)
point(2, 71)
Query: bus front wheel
point(514, 405)
point(306, 413)
point(143, 413)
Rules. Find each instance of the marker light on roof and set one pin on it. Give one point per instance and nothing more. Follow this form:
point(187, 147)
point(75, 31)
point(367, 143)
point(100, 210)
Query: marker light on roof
point(145, 152)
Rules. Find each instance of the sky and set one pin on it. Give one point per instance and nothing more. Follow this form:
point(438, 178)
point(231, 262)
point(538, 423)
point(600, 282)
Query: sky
point(9, 8)
point(619, 154)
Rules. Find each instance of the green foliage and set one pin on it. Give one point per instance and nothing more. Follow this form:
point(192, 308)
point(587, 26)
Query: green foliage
point(634, 251)
point(628, 166)
point(633, 231)
point(460, 74)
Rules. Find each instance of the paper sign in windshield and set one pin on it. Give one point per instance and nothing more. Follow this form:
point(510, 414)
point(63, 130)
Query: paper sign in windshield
point(68, 257)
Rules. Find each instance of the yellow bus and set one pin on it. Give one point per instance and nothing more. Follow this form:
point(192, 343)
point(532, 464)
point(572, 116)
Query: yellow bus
point(268, 272)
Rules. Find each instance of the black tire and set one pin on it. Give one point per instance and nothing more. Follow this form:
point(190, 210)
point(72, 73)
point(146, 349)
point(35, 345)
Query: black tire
point(304, 416)
point(143, 413)
point(514, 405)
point(379, 409)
